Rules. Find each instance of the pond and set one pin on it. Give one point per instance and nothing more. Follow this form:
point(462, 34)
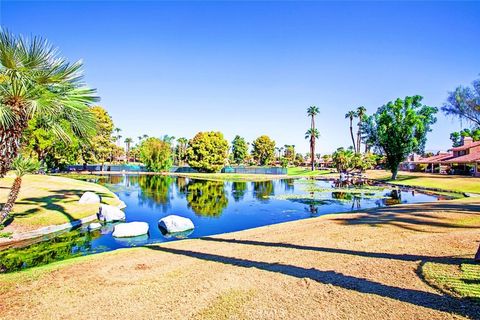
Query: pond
point(213, 206)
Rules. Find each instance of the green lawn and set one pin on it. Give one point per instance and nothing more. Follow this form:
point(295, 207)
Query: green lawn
point(428, 180)
point(305, 172)
point(461, 279)
point(228, 176)
point(47, 200)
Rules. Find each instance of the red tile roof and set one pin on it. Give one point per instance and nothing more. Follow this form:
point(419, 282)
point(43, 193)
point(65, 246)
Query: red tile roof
point(466, 158)
point(468, 146)
point(434, 159)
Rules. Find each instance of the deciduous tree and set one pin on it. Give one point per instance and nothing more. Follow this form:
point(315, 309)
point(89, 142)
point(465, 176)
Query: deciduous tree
point(207, 151)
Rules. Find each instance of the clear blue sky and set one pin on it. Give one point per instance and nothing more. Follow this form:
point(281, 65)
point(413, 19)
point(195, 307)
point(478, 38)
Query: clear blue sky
point(252, 68)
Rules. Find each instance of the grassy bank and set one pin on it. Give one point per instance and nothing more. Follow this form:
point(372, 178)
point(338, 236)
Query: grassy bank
point(428, 180)
point(47, 200)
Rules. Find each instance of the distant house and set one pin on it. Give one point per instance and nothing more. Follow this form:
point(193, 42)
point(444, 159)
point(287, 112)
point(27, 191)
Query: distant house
point(464, 159)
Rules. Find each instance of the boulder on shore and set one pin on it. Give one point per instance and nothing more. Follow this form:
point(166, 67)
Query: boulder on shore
point(122, 205)
point(89, 198)
point(173, 224)
point(94, 226)
point(130, 229)
point(110, 213)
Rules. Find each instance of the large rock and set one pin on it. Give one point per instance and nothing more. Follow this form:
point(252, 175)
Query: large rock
point(174, 224)
point(89, 198)
point(110, 213)
point(94, 226)
point(130, 229)
point(122, 205)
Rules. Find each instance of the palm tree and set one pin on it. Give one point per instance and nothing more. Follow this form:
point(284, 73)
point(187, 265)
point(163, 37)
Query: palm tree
point(312, 134)
point(128, 141)
point(182, 149)
point(312, 111)
point(350, 115)
point(36, 82)
point(118, 136)
point(361, 111)
point(22, 167)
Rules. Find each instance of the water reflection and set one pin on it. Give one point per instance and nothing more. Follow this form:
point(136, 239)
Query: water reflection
point(207, 198)
point(263, 190)
point(154, 191)
point(64, 246)
point(239, 189)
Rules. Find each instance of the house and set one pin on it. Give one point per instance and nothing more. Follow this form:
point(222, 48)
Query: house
point(464, 159)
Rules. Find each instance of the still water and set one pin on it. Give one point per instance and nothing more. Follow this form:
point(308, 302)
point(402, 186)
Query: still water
point(213, 206)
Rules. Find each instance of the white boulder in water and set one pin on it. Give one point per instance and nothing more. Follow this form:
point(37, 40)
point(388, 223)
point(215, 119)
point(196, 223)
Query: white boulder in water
point(89, 198)
point(173, 224)
point(94, 226)
point(122, 205)
point(110, 213)
point(130, 229)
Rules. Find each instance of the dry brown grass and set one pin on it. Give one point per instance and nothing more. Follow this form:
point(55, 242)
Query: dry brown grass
point(355, 266)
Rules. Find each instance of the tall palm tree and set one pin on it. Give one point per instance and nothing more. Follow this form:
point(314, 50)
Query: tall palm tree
point(312, 111)
point(118, 136)
point(22, 167)
point(350, 115)
point(128, 142)
point(312, 134)
point(182, 149)
point(361, 111)
point(36, 82)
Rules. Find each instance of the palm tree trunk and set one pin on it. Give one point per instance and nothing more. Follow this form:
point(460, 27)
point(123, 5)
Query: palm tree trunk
point(12, 197)
point(351, 134)
point(312, 151)
point(358, 137)
point(10, 137)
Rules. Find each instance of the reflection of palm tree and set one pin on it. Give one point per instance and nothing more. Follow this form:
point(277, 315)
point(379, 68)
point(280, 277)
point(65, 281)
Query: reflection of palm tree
point(263, 189)
point(207, 198)
point(311, 206)
point(239, 189)
point(181, 183)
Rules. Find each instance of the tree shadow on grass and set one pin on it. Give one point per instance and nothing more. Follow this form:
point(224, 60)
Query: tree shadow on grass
point(416, 297)
point(52, 202)
point(378, 255)
point(413, 217)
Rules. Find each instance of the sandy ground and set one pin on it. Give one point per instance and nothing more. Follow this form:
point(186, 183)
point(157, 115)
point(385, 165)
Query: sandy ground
point(355, 266)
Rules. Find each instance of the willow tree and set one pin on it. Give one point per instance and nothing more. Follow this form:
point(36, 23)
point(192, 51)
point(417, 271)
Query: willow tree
point(312, 111)
point(36, 82)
